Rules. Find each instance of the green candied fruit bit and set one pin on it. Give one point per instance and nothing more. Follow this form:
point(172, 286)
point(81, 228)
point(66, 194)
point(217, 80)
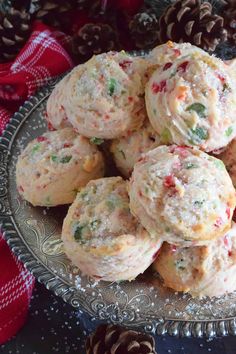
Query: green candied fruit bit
point(35, 148)
point(83, 194)
point(190, 165)
point(78, 232)
point(111, 86)
point(66, 159)
point(229, 131)
point(199, 134)
point(199, 203)
point(111, 205)
point(96, 141)
point(165, 136)
point(199, 108)
point(154, 111)
point(219, 164)
point(94, 224)
point(54, 158)
point(180, 264)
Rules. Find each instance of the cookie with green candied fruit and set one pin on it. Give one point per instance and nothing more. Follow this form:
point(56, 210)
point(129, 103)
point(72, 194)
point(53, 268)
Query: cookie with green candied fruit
point(102, 238)
point(54, 166)
point(182, 194)
point(203, 270)
point(192, 102)
point(105, 96)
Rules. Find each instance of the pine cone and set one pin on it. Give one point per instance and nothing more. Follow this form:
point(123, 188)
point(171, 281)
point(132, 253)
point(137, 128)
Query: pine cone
point(192, 21)
point(112, 339)
point(229, 15)
point(144, 30)
point(15, 28)
point(94, 39)
point(53, 12)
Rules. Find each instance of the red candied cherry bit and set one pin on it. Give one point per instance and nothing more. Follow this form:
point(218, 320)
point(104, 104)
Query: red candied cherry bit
point(107, 117)
point(173, 248)
point(227, 245)
point(218, 222)
point(161, 87)
point(226, 241)
point(67, 145)
point(20, 189)
point(155, 87)
point(183, 66)
point(41, 139)
point(125, 64)
point(130, 99)
point(181, 150)
point(169, 181)
point(177, 52)
point(167, 66)
point(50, 127)
point(143, 159)
point(221, 78)
point(140, 193)
point(228, 212)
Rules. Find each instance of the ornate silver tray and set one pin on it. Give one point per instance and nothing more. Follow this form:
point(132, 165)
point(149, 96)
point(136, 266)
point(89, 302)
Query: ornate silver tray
point(34, 235)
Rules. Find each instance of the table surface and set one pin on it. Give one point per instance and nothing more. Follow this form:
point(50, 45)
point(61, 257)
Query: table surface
point(55, 327)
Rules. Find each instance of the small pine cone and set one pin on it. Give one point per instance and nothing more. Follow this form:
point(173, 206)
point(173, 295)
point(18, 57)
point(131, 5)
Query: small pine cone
point(111, 339)
point(53, 12)
point(15, 28)
point(144, 30)
point(94, 39)
point(229, 15)
point(192, 21)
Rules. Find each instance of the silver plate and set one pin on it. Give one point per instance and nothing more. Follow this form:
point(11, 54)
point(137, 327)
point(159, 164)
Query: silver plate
point(34, 235)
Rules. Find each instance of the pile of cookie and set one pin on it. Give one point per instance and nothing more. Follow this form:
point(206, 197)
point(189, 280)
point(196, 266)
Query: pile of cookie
point(167, 120)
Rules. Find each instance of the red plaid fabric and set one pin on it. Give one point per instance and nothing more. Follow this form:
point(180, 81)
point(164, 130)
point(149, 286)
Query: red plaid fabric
point(43, 57)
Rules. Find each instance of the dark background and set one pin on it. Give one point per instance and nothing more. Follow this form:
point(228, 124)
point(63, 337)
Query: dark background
point(55, 327)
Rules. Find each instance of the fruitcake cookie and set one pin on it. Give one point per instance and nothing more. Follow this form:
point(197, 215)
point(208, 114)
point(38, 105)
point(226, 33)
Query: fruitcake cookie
point(193, 102)
point(106, 96)
point(127, 150)
point(202, 271)
point(101, 236)
point(52, 167)
point(182, 194)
